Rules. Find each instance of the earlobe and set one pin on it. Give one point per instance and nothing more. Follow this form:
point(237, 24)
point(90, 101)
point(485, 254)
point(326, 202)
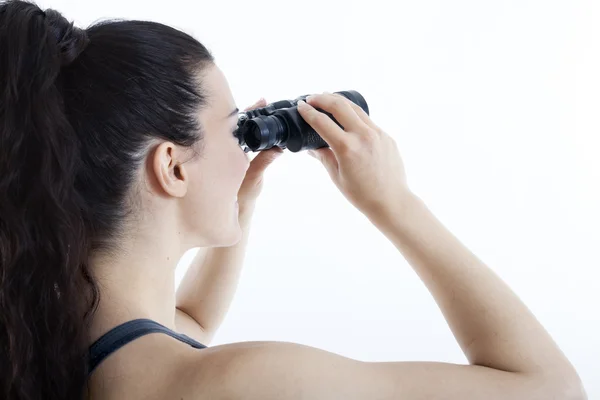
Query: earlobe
point(170, 174)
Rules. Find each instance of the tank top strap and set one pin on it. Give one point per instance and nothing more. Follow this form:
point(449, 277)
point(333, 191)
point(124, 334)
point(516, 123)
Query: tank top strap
point(125, 333)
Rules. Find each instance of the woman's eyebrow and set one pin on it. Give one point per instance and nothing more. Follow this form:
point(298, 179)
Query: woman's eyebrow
point(234, 112)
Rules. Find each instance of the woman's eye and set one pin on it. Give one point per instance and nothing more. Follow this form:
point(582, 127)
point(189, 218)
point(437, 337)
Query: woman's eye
point(235, 135)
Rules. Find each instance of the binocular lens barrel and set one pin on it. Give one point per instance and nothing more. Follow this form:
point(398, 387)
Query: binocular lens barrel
point(280, 124)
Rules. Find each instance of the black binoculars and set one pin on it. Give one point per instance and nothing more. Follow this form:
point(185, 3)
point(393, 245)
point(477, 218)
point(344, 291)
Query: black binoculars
point(280, 124)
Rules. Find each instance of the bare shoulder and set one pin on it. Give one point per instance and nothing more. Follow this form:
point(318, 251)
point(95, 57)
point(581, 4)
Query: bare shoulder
point(147, 368)
point(157, 367)
point(264, 370)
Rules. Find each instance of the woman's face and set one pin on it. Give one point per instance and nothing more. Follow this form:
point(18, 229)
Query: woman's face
point(209, 210)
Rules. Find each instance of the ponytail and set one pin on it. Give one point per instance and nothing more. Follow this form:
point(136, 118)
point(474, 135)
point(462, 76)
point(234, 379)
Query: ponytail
point(44, 279)
point(79, 112)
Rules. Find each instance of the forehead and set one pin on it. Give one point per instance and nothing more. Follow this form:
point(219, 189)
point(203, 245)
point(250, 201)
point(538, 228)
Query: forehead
point(217, 87)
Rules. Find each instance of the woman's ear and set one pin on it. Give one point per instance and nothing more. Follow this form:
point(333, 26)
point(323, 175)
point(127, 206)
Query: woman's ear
point(169, 169)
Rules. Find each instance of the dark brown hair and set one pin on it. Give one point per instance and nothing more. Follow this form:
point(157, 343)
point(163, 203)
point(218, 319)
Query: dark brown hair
point(78, 110)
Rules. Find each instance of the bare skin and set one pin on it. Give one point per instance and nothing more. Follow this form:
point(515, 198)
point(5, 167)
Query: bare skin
point(186, 203)
point(510, 354)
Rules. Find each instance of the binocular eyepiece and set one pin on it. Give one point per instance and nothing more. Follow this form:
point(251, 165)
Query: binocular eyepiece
point(280, 124)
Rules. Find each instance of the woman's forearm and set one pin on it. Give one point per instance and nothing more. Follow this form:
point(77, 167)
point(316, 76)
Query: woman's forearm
point(493, 327)
point(210, 283)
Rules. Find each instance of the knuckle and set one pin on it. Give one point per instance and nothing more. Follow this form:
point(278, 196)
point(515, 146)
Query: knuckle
point(344, 148)
point(339, 96)
point(318, 121)
point(368, 139)
point(310, 115)
point(351, 104)
point(350, 147)
point(318, 124)
point(337, 103)
point(355, 148)
point(371, 136)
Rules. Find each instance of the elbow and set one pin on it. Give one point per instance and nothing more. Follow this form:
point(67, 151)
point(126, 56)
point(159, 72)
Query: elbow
point(574, 391)
point(563, 388)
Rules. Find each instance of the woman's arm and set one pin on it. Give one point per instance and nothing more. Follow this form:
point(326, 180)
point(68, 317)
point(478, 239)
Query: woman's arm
point(210, 283)
point(493, 327)
point(512, 357)
point(207, 289)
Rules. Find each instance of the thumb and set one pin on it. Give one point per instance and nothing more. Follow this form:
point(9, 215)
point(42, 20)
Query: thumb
point(327, 158)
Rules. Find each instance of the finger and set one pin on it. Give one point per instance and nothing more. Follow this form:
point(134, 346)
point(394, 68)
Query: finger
point(262, 161)
point(340, 109)
point(327, 158)
point(259, 103)
point(323, 125)
point(360, 112)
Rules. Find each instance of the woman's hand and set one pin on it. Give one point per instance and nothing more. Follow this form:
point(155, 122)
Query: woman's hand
point(253, 182)
point(363, 160)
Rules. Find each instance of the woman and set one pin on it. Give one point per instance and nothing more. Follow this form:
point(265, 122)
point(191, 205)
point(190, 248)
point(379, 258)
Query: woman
point(117, 155)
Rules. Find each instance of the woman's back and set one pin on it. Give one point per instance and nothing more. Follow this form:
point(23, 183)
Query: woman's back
point(146, 368)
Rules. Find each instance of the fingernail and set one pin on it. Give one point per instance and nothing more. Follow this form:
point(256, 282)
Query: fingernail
point(301, 104)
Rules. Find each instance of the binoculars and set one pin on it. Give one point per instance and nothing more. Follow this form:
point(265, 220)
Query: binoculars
point(280, 124)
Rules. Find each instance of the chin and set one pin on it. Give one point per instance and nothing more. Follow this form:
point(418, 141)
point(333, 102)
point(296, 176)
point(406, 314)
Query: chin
point(225, 232)
point(235, 239)
point(230, 238)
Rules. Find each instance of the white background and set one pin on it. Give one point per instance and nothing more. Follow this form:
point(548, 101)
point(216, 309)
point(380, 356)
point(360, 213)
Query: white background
point(496, 110)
